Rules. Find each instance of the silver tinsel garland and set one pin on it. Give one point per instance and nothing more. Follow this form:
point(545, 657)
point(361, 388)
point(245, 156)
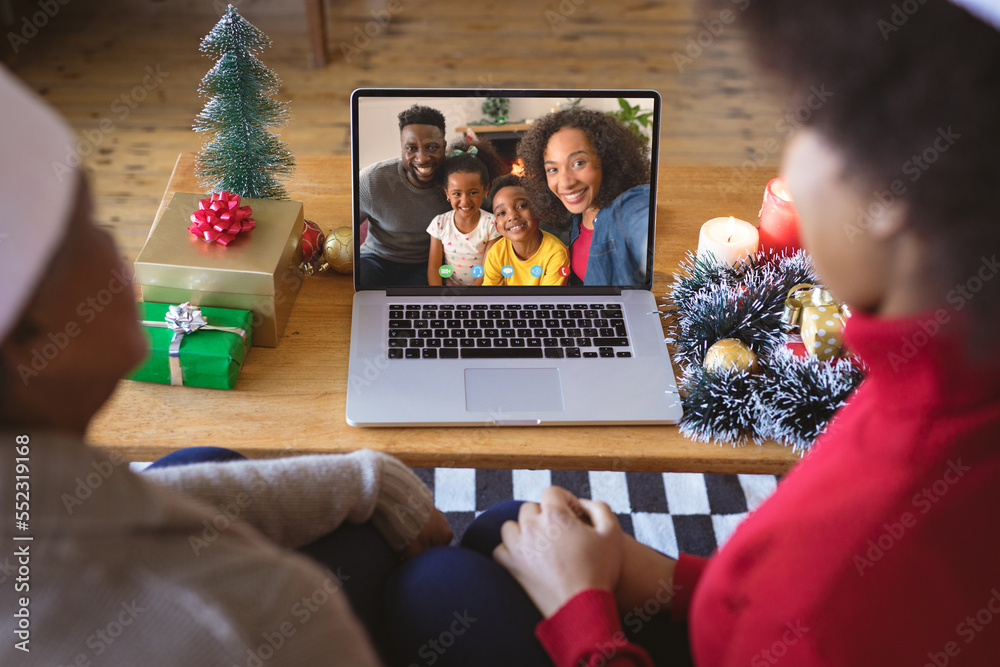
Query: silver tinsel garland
point(791, 399)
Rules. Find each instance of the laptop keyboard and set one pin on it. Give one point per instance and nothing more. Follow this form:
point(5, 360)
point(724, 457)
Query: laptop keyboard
point(507, 331)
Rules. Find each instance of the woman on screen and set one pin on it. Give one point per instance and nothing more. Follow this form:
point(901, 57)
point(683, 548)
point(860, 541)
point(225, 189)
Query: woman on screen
point(586, 163)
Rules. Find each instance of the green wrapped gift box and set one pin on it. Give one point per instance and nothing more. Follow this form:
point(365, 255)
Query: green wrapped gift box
point(208, 357)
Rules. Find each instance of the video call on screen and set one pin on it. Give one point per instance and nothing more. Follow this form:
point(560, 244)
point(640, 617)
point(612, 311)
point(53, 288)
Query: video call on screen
point(423, 211)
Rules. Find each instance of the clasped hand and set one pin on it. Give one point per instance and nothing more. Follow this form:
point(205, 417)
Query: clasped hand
point(560, 547)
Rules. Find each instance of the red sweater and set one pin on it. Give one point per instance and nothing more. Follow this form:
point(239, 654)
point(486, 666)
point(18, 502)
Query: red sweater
point(882, 547)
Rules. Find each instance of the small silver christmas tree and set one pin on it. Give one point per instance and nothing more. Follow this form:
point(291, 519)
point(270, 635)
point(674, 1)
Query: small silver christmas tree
point(242, 156)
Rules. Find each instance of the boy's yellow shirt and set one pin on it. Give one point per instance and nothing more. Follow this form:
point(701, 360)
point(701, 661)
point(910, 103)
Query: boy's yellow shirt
point(551, 255)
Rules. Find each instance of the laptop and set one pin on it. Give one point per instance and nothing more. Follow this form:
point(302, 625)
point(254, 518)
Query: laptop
point(503, 339)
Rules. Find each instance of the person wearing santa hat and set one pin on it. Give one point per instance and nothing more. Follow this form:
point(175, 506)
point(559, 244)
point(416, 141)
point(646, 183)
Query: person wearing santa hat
point(190, 565)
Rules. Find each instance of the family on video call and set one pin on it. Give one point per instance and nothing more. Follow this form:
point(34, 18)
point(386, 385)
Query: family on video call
point(453, 214)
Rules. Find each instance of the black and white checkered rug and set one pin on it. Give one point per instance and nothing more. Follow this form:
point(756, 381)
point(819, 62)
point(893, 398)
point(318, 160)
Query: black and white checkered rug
point(671, 512)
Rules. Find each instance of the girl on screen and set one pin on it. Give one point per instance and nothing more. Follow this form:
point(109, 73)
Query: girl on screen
point(586, 163)
point(461, 237)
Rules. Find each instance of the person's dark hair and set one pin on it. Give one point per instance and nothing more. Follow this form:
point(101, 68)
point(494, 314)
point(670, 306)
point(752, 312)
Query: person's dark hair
point(885, 90)
point(624, 158)
point(421, 115)
point(505, 181)
point(486, 162)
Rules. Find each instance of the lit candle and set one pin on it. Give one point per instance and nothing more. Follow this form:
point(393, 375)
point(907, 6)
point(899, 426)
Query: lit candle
point(729, 239)
point(779, 221)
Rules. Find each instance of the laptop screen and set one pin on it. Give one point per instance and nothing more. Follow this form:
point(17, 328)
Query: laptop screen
point(526, 191)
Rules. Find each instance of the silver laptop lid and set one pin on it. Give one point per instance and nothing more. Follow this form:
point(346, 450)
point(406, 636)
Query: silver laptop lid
point(587, 166)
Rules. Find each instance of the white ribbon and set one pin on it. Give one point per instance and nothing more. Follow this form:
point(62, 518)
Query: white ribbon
point(183, 320)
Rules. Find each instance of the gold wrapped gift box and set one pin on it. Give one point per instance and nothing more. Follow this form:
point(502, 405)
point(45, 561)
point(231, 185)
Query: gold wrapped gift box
point(258, 271)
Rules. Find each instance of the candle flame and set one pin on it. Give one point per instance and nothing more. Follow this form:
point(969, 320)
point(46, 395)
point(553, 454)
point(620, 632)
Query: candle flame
point(517, 169)
point(731, 230)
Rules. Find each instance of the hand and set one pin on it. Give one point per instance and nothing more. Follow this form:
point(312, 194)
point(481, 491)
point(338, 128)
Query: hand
point(555, 552)
point(435, 533)
point(572, 501)
point(646, 576)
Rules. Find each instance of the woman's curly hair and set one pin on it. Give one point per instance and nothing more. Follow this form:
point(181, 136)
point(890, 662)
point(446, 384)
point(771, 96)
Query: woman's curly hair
point(486, 162)
point(624, 158)
point(913, 106)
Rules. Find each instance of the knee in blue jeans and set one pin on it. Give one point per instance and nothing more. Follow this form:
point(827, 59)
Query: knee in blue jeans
point(483, 534)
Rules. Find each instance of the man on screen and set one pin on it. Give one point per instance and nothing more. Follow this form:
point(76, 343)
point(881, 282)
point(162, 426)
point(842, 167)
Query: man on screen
point(399, 197)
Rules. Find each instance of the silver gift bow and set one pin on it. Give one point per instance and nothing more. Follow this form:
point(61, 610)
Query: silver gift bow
point(185, 319)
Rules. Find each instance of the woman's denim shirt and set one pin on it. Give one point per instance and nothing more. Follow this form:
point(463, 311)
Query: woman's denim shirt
point(621, 234)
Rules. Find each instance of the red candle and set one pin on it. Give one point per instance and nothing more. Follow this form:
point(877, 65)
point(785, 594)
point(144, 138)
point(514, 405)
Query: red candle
point(779, 221)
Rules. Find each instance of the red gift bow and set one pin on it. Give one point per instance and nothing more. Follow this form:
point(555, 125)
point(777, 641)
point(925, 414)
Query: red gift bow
point(221, 218)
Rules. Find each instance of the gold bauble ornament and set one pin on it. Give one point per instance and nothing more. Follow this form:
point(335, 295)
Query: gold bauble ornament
point(339, 250)
point(731, 354)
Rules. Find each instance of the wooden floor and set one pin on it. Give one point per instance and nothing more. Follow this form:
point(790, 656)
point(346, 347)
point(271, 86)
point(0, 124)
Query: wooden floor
point(132, 67)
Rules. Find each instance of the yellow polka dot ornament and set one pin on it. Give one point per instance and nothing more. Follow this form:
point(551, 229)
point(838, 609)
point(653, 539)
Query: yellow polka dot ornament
point(819, 318)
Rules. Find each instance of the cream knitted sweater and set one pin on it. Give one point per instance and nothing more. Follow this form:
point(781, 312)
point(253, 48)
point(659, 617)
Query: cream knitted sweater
point(124, 570)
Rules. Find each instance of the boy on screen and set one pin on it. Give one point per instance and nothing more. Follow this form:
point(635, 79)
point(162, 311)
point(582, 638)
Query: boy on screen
point(525, 255)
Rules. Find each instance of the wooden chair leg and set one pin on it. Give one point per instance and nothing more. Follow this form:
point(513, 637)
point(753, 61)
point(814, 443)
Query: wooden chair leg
point(316, 24)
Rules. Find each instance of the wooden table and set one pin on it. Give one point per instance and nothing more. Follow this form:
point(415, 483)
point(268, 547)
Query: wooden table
point(290, 399)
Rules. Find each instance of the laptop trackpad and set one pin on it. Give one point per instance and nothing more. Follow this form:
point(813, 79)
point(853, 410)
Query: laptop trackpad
point(500, 390)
